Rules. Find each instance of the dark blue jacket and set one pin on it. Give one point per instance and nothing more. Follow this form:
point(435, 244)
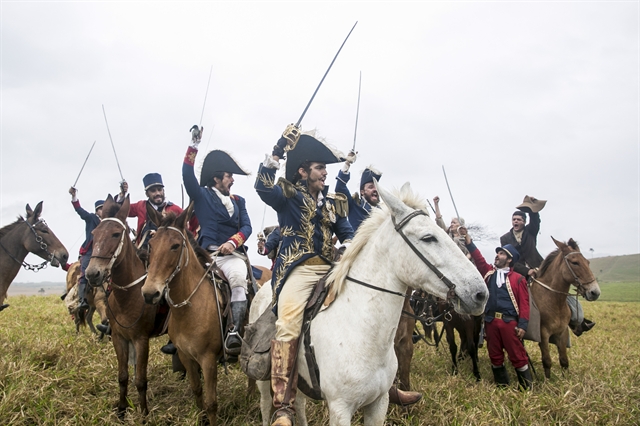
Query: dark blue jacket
point(306, 228)
point(216, 227)
point(91, 221)
point(358, 209)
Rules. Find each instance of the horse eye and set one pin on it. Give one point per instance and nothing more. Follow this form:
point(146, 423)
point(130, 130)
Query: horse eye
point(175, 247)
point(44, 231)
point(116, 235)
point(429, 239)
point(575, 263)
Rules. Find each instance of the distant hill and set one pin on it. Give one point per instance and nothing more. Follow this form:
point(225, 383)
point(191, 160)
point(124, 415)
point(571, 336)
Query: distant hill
point(617, 268)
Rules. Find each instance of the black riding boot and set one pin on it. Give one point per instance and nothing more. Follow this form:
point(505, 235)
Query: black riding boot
point(82, 297)
point(500, 376)
point(104, 327)
point(233, 344)
point(169, 348)
point(585, 325)
point(524, 379)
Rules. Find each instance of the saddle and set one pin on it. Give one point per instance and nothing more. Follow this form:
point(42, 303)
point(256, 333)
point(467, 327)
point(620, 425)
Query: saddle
point(255, 358)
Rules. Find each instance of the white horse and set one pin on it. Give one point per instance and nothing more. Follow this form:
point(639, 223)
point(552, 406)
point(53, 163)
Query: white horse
point(353, 338)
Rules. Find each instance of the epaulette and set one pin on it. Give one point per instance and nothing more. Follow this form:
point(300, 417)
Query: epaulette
point(341, 203)
point(288, 188)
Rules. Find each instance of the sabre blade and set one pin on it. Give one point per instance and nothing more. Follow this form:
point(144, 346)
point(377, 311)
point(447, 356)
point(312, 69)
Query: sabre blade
point(355, 132)
point(112, 146)
point(450, 194)
point(83, 164)
point(323, 77)
point(205, 96)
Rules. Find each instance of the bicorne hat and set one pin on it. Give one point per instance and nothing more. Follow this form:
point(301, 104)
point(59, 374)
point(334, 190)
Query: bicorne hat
point(311, 149)
point(152, 179)
point(368, 175)
point(219, 161)
point(99, 204)
point(511, 252)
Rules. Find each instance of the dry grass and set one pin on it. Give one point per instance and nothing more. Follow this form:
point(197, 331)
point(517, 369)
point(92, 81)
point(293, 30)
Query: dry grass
point(50, 376)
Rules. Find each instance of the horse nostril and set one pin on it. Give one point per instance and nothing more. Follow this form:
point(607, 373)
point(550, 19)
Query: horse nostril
point(481, 296)
point(149, 298)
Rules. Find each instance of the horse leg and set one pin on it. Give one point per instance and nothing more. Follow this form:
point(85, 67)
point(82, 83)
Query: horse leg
point(193, 373)
point(340, 413)
point(121, 347)
point(473, 349)
point(544, 350)
point(562, 350)
point(142, 359)
point(300, 405)
point(266, 403)
point(453, 349)
point(375, 413)
point(251, 387)
point(89, 319)
point(404, 351)
point(210, 373)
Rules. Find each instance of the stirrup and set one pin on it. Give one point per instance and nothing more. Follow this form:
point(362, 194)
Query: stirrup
point(229, 350)
point(284, 411)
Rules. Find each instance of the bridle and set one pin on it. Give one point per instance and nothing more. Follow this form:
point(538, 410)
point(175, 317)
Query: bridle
point(43, 246)
point(576, 281)
point(115, 255)
point(451, 294)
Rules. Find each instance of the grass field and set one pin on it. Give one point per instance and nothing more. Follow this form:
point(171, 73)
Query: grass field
point(619, 292)
point(51, 376)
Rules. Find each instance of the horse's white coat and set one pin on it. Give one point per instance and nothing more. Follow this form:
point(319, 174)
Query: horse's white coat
point(353, 338)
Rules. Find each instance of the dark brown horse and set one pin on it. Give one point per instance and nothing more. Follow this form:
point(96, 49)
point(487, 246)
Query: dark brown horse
point(176, 266)
point(561, 269)
point(30, 235)
point(468, 328)
point(133, 322)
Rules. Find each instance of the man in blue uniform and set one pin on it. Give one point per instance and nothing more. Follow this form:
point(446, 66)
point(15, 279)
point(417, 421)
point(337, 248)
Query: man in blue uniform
point(308, 218)
point(91, 220)
point(224, 225)
point(359, 206)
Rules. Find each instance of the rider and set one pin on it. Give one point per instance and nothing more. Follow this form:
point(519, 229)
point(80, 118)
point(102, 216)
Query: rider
point(359, 205)
point(308, 217)
point(91, 220)
point(154, 190)
point(506, 313)
point(452, 230)
point(525, 238)
point(224, 225)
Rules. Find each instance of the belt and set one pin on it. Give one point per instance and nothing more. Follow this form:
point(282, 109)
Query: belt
point(315, 261)
point(500, 315)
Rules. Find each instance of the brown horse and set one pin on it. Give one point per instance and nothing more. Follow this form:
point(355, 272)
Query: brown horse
point(133, 322)
point(468, 328)
point(266, 275)
point(96, 298)
point(403, 345)
point(30, 235)
point(177, 267)
point(562, 268)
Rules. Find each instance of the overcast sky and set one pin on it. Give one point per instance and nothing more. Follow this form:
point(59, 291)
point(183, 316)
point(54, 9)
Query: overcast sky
point(513, 98)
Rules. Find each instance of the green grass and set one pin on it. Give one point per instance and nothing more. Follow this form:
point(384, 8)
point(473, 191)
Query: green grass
point(619, 292)
point(51, 376)
point(616, 268)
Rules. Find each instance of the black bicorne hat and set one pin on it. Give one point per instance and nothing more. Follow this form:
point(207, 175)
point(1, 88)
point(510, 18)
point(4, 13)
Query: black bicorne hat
point(219, 161)
point(311, 149)
point(368, 175)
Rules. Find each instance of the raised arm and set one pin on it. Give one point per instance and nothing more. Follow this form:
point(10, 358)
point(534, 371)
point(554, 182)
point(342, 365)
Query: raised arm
point(188, 174)
point(344, 176)
point(84, 215)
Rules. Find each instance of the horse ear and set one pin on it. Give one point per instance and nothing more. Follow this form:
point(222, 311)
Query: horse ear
point(559, 244)
point(398, 209)
point(573, 244)
point(124, 209)
point(154, 215)
point(38, 210)
point(29, 211)
point(183, 219)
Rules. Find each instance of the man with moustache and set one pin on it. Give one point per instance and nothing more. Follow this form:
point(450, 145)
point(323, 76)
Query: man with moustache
point(506, 313)
point(359, 206)
point(224, 225)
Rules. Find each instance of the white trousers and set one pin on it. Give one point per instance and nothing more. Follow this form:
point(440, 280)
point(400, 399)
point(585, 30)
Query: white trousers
point(293, 298)
point(235, 269)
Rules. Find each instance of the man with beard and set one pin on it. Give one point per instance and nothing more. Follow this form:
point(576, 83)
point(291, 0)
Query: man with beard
point(506, 313)
point(154, 190)
point(224, 225)
point(359, 205)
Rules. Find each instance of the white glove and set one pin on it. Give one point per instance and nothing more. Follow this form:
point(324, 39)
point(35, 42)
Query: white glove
point(351, 158)
point(196, 136)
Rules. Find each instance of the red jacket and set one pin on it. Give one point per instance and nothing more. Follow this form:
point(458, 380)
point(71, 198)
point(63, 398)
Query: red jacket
point(139, 210)
point(517, 282)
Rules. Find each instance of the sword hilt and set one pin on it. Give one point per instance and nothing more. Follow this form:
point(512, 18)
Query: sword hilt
point(291, 135)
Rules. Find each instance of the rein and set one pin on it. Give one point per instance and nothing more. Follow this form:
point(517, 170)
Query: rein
point(43, 246)
point(577, 282)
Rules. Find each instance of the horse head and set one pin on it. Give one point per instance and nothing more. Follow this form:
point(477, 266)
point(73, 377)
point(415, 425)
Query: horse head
point(40, 239)
point(169, 252)
point(428, 258)
point(577, 270)
point(109, 239)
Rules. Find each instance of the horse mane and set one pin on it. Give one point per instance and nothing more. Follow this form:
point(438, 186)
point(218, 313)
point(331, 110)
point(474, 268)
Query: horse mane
point(202, 255)
point(367, 229)
point(113, 209)
point(546, 263)
point(6, 229)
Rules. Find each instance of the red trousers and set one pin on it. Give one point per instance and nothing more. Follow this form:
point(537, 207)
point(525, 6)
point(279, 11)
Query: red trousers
point(502, 335)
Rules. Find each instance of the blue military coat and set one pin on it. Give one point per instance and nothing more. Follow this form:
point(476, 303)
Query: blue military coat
point(358, 209)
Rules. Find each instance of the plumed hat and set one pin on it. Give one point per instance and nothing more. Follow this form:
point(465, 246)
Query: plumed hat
point(511, 251)
point(152, 179)
point(99, 204)
point(368, 175)
point(219, 161)
point(310, 149)
point(531, 204)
